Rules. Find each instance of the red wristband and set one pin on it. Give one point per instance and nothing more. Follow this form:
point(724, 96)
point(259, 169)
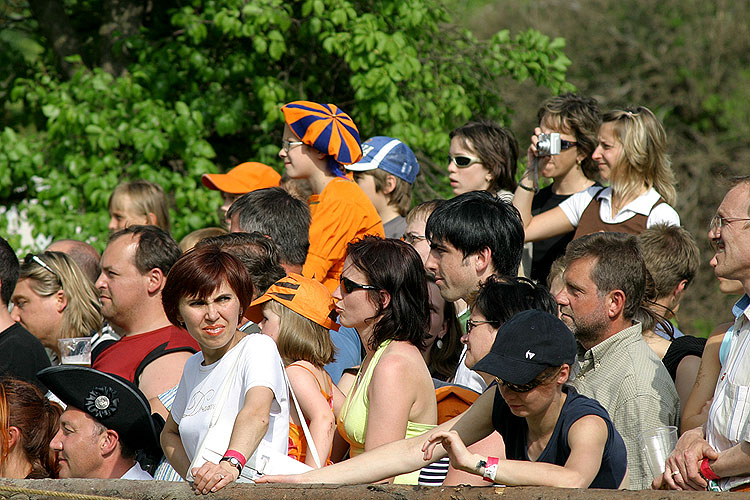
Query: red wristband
point(236, 454)
point(707, 472)
point(490, 469)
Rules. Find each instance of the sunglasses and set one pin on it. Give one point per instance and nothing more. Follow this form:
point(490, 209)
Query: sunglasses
point(527, 387)
point(463, 161)
point(287, 145)
point(349, 286)
point(567, 144)
point(33, 258)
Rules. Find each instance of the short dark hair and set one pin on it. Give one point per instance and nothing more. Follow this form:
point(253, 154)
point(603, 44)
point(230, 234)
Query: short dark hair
point(9, 267)
point(394, 266)
point(477, 219)
point(156, 248)
point(496, 147)
point(258, 253)
point(199, 273)
point(499, 299)
point(619, 265)
point(581, 117)
point(671, 256)
point(278, 214)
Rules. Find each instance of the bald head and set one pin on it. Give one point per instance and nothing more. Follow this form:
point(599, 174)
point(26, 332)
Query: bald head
point(82, 253)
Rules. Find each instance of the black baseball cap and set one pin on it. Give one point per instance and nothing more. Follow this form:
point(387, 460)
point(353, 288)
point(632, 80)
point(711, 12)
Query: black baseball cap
point(112, 401)
point(526, 345)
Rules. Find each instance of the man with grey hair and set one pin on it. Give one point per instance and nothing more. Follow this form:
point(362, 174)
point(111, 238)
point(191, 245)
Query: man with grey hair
point(275, 213)
point(716, 455)
point(604, 285)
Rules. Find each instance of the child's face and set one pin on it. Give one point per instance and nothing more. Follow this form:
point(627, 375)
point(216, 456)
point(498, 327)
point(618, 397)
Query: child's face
point(271, 323)
point(367, 183)
point(297, 160)
point(122, 214)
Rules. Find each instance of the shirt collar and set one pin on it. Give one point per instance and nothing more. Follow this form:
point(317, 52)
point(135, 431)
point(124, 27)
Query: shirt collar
point(742, 306)
point(622, 338)
point(641, 205)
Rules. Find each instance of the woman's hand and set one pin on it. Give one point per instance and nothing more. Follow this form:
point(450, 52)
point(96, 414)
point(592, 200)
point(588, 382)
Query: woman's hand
point(460, 456)
point(531, 153)
point(211, 477)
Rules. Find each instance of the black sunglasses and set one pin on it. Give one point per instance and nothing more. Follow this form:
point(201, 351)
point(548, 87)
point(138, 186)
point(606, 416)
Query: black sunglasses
point(567, 144)
point(541, 379)
point(349, 286)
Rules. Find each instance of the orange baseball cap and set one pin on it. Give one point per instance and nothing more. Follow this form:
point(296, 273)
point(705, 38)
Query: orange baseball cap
point(243, 178)
point(307, 297)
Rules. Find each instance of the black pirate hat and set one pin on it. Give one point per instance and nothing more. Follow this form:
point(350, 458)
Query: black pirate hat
point(114, 402)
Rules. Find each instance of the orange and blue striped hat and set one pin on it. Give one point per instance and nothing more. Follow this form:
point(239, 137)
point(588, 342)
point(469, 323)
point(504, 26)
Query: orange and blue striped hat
point(326, 128)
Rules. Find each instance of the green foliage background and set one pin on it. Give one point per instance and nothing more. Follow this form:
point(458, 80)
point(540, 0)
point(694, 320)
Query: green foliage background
point(201, 84)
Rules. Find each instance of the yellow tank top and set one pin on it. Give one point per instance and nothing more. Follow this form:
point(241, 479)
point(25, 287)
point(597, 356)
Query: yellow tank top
point(352, 422)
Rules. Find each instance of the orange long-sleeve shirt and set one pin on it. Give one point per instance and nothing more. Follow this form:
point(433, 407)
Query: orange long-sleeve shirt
point(342, 213)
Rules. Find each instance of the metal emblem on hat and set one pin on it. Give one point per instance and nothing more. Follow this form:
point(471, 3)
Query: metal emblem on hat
point(102, 402)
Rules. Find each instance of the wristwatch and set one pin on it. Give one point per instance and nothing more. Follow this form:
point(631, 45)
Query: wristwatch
point(233, 462)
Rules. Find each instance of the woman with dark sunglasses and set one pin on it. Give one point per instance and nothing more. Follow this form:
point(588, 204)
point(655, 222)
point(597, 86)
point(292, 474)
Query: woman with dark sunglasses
point(383, 294)
point(576, 119)
point(483, 157)
point(632, 156)
point(553, 436)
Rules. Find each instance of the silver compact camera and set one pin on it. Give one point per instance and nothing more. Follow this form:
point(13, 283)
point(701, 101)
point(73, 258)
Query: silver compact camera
point(548, 145)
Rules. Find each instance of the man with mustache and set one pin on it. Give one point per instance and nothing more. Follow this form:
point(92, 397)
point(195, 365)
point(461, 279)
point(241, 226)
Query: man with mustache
point(604, 285)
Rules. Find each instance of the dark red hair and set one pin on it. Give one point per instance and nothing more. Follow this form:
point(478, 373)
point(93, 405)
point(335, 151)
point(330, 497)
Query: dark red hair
point(199, 272)
point(23, 406)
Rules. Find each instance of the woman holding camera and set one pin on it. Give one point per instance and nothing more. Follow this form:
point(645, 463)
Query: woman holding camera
point(576, 120)
point(632, 155)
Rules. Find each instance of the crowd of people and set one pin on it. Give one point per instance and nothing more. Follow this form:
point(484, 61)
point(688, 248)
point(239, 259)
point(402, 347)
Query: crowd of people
point(522, 332)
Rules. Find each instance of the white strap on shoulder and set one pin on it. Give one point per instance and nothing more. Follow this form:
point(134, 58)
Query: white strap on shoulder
point(310, 443)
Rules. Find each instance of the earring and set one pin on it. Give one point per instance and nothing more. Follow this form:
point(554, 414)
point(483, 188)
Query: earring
point(439, 343)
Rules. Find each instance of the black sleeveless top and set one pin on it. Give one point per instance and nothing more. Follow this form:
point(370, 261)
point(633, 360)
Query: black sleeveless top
point(513, 429)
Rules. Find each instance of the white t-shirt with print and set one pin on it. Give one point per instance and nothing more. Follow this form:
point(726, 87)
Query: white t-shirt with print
point(259, 366)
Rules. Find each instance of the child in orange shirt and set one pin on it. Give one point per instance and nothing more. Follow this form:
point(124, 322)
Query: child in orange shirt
point(318, 140)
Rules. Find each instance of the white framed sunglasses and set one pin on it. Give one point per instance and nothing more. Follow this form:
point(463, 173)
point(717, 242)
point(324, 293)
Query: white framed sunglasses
point(463, 161)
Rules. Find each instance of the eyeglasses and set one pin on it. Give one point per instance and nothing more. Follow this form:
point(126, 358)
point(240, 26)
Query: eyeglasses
point(463, 161)
point(470, 324)
point(33, 258)
point(349, 286)
point(413, 238)
point(287, 145)
point(717, 222)
point(567, 144)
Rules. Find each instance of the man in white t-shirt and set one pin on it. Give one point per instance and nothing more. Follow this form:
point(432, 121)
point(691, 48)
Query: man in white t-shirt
point(106, 421)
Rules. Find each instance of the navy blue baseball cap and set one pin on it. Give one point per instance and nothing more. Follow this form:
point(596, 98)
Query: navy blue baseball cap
point(389, 154)
point(526, 345)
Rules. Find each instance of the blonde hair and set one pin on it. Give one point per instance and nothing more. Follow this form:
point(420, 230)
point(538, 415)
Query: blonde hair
point(644, 161)
point(301, 338)
point(191, 239)
point(147, 198)
point(83, 313)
